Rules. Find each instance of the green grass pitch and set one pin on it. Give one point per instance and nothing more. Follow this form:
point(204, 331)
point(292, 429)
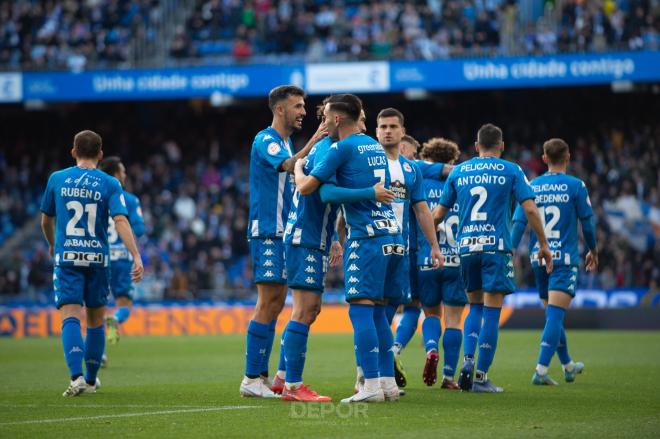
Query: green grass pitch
point(188, 387)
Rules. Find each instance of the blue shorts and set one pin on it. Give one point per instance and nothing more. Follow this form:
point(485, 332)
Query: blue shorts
point(441, 286)
point(491, 272)
point(268, 260)
point(414, 276)
point(398, 279)
point(121, 284)
point(370, 265)
point(563, 278)
point(306, 268)
point(81, 286)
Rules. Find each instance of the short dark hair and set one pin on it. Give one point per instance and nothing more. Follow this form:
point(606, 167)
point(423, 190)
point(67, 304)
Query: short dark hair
point(87, 144)
point(410, 139)
point(391, 112)
point(556, 150)
point(110, 165)
point(440, 150)
point(489, 136)
point(348, 104)
point(281, 92)
point(320, 107)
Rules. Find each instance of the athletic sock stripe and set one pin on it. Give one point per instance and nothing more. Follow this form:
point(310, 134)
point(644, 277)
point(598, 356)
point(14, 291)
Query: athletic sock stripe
point(257, 335)
point(297, 332)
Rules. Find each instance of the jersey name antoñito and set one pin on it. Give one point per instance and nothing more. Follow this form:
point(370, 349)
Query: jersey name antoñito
point(407, 185)
point(447, 230)
point(562, 200)
point(311, 222)
point(359, 161)
point(118, 250)
point(484, 188)
point(81, 200)
point(270, 189)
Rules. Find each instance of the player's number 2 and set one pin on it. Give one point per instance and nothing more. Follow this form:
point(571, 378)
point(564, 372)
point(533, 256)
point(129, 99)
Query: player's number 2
point(482, 193)
point(78, 210)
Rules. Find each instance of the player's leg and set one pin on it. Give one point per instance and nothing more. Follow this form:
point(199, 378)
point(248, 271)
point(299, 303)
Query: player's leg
point(269, 275)
point(68, 284)
point(454, 300)
point(121, 287)
point(410, 318)
point(497, 278)
point(431, 331)
point(472, 282)
point(96, 298)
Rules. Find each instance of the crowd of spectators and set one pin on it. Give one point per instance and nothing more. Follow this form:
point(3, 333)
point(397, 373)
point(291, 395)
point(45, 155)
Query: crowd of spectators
point(193, 184)
point(72, 34)
point(427, 29)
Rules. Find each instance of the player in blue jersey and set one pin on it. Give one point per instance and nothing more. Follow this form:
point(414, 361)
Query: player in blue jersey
point(373, 242)
point(75, 209)
point(484, 188)
point(120, 259)
point(441, 291)
point(410, 205)
point(307, 239)
point(271, 162)
point(562, 201)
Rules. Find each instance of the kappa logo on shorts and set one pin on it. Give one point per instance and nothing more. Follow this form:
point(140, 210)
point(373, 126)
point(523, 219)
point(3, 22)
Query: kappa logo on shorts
point(310, 269)
point(268, 242)
point(310, 258)
point(510, 264)
point(354, 256)
point(309, 280)
point(268, 252)
point(269, 274)
point(571, 288)
point(268, 263)
point(573, 278)
point(353, 267)
point(354, 244)
point(353, 279)
point(510, 275)
point(352, 291)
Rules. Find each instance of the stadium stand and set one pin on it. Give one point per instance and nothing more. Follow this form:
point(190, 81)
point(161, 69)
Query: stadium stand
point(192, 182)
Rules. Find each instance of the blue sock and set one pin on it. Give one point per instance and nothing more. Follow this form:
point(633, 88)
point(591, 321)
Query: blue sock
point(269, 348)
point(94, 347)
point(122, 314)
point(451, 345)
point(282, 364)
point(562, 348)
point(554, 318)
point(408, 326)
point(257, 337)
point(390, 312)
point(472, 328)
point(488, 338)
point(295, 347)
point(73, 345)
point(355, 348)
point(385, 342)
point(362, 319)
point(431, 331)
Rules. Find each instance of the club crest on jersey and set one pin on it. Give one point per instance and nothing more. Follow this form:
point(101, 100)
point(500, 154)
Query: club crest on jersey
point(274, 148)
point(310, 258)
point(407, 167)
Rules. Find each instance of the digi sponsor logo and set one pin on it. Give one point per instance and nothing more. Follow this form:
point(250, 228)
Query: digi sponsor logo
point(83, 257)
point(393, 249)
point(469, 241)
point(386, 224)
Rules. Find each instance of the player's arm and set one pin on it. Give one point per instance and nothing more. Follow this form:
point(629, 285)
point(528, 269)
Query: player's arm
point(519, 225)
point(446, 201)
point(586, 215)
point(126, 234)
point(305, 184)
point(323, 171)
point(136, 219)
point(288, 165)
point(425, 221)
point(337, 247)
point(535, 222)
point(331, 193)
point(446, 170)
point(48, 229)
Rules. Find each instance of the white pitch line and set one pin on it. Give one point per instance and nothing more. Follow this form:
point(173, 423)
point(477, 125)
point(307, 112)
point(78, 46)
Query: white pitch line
point(100, 406)
point(131, 415)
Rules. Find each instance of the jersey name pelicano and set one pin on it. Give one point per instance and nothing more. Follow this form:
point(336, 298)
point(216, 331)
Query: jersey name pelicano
point(81, 200)
point(407, 185)
point(311, 222)
point(270, 189)
point(562, 200)
point(447, 230)
point(359, 161)
point(118, 250)
point(484, 188)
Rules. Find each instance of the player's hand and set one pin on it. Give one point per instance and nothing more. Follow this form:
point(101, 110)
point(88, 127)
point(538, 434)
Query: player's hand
point(437, 258)
point(336, 254)
point(138, 270)
point(383, 195)
point(321, 131)
point(545, 255)
point(592, 260)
